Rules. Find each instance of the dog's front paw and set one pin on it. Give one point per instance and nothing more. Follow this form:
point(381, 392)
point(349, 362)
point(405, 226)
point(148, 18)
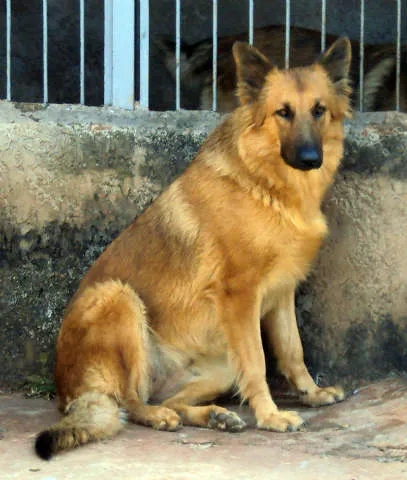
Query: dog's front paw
point(281, 421)
point(222, 419)
point(323, 396)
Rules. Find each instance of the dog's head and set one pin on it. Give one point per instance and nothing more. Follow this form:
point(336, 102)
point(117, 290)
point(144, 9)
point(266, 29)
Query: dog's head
point(298, 104)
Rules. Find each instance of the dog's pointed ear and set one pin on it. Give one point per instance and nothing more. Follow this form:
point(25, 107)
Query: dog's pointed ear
point(251, 70)
point(336, 61)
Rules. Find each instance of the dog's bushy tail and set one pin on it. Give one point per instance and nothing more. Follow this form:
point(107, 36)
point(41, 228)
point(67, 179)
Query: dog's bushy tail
point(91, 417)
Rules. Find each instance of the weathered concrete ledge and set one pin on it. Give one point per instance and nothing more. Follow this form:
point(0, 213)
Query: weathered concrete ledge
point(71, 178)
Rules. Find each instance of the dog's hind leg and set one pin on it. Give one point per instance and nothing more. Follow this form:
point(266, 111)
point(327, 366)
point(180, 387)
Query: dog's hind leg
point(158, 417)
point(102, 364)
point(135, 355)
point(281, 328)
point(116, 342)
point(203, 389)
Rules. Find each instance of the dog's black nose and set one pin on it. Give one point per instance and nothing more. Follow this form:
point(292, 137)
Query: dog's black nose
point(308, 157)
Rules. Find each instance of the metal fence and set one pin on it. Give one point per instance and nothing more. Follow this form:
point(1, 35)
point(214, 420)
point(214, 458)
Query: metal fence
point(120, 31)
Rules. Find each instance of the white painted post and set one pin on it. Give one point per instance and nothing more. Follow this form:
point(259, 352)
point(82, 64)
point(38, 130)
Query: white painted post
point(144, 51)
point(82, 50)
point(398, 55)
point(362, 56)
point(287, 32)
point(8, 49)
point(323, 25)
point(45, 50)
point(214, 54)
point(251, 22)
point(119, 53)
point(178, 54)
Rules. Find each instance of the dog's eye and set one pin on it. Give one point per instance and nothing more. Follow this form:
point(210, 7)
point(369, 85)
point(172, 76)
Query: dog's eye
point(285, 113)
point(318, 111)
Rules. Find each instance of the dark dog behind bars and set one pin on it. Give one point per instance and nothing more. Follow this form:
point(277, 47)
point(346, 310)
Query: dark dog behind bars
point(380, 26)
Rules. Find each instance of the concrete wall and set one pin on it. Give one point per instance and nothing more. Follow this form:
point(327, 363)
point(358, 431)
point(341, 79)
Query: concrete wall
point(71, 178)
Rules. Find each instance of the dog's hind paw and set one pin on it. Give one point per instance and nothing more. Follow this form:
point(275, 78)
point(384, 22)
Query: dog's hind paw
point(164, 418)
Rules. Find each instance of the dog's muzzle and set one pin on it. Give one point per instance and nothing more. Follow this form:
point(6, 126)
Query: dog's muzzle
point(304, 157)
point(308, 157)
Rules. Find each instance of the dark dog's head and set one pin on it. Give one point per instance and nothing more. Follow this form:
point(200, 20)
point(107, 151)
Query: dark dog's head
point(296, 105)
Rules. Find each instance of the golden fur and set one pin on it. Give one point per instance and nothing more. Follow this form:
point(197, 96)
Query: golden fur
point(169, 316)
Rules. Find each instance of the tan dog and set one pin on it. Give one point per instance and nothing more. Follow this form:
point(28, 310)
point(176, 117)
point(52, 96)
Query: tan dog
point(168, 318)
point(196, 67)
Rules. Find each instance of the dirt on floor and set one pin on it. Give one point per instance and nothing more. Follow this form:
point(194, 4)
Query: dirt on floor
point(364, 437)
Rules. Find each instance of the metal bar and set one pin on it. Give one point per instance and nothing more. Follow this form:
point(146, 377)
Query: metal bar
point(287, 33)
point(251, 22)
point(362, 54)
point(178, 54)
point(45, 49)
point(323, 25)
point(119, 53)
point(8, 48)
point(214, 54)
point(108, 54)
point(398, 55)
point(144, 51)
point(82, 50)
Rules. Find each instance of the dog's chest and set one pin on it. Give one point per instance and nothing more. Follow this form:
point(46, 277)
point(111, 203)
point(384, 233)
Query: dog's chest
point(287, 262)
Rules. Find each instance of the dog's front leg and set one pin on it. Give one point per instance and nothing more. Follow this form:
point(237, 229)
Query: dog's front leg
point(282, 331)
point(241, 319)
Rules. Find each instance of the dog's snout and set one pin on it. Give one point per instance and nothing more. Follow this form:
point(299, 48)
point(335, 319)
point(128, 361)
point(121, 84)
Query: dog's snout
point(308, 157)
point(303, 156)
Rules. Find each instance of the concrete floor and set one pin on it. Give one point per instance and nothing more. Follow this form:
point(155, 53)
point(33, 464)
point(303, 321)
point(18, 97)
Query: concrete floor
point(364, 437)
